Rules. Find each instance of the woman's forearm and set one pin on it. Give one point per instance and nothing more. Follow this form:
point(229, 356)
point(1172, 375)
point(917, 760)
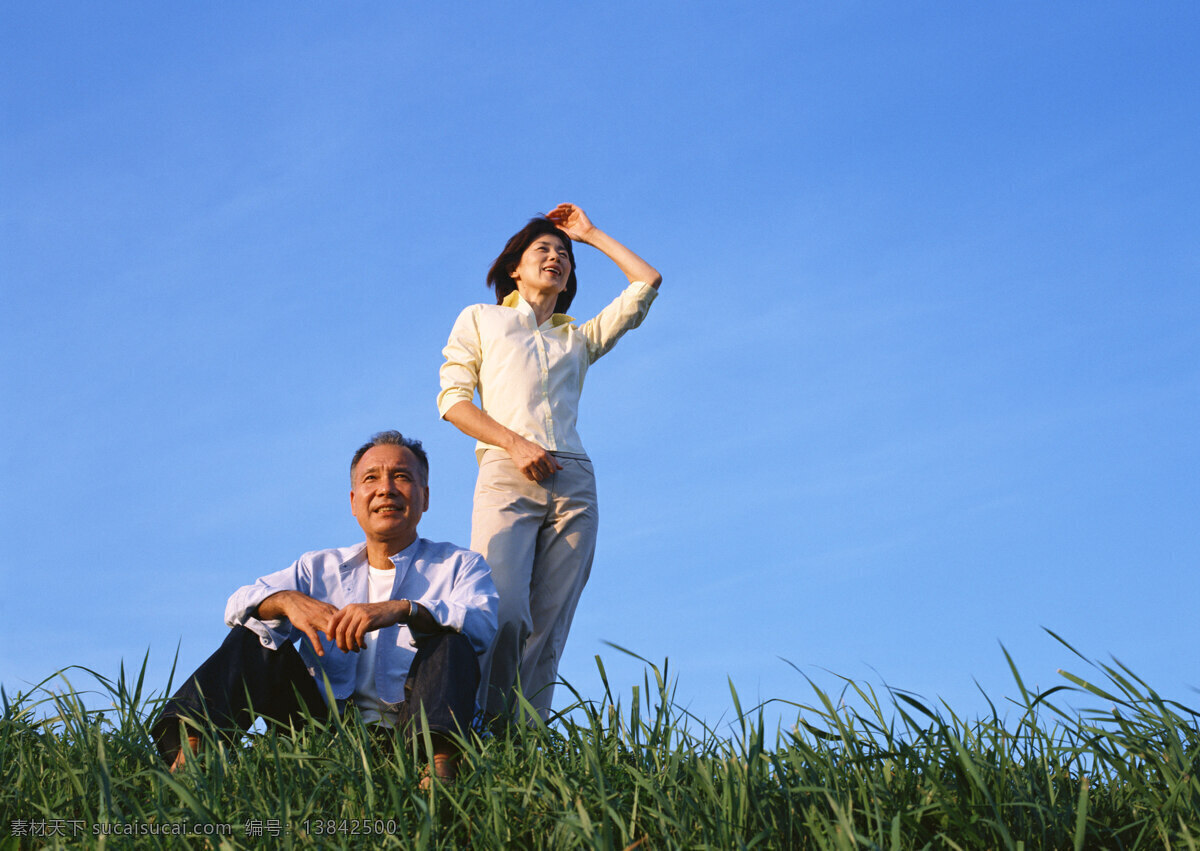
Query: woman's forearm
point(634, 267)
point(534, 462)
point(471, 420)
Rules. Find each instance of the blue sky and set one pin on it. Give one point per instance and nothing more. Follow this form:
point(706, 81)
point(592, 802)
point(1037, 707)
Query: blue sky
point(924, 376)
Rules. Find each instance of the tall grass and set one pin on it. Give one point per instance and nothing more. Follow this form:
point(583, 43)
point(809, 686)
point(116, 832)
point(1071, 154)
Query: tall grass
point(893, 773)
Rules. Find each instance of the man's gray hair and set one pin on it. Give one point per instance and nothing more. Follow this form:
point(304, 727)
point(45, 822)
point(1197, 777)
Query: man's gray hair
point(394, 438)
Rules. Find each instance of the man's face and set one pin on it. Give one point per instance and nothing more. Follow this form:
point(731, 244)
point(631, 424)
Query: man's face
point(388, 495)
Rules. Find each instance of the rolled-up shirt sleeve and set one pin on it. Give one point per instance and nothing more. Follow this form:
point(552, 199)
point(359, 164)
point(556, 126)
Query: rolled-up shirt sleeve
point(472, 604)
point(624, 313)
point(242, 606)
point(463, 353)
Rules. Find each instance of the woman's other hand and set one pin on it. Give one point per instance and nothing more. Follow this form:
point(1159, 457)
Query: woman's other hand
point(573, 221)
point(534, 462)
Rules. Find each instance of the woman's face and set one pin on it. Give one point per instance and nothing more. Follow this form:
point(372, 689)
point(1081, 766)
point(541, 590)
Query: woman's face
point(545, 267)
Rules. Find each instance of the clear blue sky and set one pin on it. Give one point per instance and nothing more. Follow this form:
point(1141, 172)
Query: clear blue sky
point(924, 375)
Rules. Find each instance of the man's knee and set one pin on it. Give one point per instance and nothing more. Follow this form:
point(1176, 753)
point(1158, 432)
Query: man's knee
point(446, 664)
point(243, 677)
point(450, 652)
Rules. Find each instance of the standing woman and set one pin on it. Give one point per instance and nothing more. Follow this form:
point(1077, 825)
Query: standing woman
point(535, 516)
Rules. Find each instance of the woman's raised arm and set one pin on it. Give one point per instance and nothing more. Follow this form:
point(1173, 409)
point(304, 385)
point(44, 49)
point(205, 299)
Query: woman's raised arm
point(575, 223)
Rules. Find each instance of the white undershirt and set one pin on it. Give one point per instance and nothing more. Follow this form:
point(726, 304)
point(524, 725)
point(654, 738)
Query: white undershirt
point(366, 697)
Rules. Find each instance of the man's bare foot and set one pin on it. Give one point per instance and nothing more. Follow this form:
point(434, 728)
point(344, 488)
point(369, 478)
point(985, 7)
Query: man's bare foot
point(192, 745)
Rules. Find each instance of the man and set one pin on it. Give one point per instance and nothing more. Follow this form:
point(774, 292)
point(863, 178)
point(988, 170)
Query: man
point(391, 625)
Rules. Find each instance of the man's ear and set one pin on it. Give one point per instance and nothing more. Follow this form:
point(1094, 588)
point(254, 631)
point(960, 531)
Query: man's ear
point(426, 508)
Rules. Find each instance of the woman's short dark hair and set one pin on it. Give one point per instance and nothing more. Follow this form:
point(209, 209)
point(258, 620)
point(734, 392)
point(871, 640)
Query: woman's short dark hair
point(499, 277)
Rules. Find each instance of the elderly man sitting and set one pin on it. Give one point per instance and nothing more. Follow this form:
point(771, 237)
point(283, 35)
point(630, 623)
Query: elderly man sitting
point(392, 625)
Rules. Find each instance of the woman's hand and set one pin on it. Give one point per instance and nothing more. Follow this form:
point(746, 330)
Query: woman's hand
point(573, 221)
point(534, 462)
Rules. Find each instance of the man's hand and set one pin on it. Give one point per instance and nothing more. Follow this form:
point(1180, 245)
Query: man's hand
point(348, 626)
point(307, 614)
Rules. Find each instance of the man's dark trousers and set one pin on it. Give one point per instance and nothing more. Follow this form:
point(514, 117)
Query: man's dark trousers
point(244, 679)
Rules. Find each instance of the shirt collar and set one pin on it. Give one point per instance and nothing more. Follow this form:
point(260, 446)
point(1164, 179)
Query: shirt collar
point(358, 553)
point(514, 300)
point(406, 555)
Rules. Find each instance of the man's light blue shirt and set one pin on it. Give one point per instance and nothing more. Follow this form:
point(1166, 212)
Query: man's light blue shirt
point(453, 584)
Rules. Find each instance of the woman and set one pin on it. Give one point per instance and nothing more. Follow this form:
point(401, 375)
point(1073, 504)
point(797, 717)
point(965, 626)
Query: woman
point(535, 515)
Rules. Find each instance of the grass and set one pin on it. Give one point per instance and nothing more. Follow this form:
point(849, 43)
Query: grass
point(893, 773)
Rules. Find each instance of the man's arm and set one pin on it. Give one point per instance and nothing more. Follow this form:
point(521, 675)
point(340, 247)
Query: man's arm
point(469, 606)
point(242, 609)
point(305, 613)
